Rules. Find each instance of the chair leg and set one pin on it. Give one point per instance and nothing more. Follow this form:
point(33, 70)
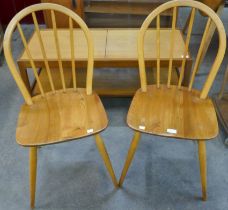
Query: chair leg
point(130, 156)
point(33, 166)
point(103, 152)
point(203, 167)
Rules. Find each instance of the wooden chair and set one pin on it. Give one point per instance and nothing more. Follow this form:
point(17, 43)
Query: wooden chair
point(58, 115)
point(173, 110)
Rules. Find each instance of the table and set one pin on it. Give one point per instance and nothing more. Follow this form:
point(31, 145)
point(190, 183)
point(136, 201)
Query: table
point(221, 105)
point(112, 48)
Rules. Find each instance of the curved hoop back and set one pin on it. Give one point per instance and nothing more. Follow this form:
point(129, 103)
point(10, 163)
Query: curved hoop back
point(73, 17)
point(212, 19)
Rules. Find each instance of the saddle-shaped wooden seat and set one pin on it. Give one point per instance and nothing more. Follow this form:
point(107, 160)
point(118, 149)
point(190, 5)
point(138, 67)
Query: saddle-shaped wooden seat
point(59, 117)
point(173, 112)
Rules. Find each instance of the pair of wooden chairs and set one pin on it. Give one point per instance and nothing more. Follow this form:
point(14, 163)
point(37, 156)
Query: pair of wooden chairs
point(72, 113)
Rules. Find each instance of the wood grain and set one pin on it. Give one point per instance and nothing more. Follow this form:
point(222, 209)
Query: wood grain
point(56, 38)
point(43, 50)
point(177, 111)
point(62, 19)
point(174, 20)
point(106, 83)
point(127, 7)
point(212, 18)
point(59, 117)
point(130, 155)
point(104, 154)
point(80, 45)
point(113, 47)
point(164, 108)
point(33, 169)
point(8, 50)
point(121, 44)
point(203, 167)
point(54, 116)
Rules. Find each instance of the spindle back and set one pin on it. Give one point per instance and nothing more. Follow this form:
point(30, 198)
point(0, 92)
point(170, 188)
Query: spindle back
point(72, 17)
point(212, 19)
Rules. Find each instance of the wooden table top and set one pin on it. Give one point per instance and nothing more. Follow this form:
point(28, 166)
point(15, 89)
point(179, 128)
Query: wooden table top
point(109, 44)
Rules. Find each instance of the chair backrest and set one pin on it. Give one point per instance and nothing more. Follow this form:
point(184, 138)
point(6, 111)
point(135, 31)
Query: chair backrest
point(73, 18)
point(212, 19)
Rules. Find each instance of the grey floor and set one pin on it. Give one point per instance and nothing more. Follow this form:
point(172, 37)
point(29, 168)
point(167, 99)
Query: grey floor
point(164, 174)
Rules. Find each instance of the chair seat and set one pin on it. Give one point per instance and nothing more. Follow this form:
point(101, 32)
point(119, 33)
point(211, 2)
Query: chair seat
point(59, 117)
point(173, 112)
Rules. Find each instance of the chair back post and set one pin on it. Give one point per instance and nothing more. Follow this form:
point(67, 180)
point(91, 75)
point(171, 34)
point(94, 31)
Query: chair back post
point(15, 23)
point(212, 19)
point(11, 63)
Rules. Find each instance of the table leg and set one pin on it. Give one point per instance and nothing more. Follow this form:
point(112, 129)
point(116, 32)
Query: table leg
point(24, 76)
point(187, 72)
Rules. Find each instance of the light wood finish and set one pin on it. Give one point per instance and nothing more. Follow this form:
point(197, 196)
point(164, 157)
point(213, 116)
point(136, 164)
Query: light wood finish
point(54, 116)
point(43, 51)
point(203, 167)
point(158, 49)
point(130, 155)
point(159, 109)
point(210, 33)
point(113, 48)
point(58, 50)
point(212, 17)
point(177, 111)
point(217, 6)
point(33, 168)
point(72, 53)
point(15, 22)
point(80, 45)
point(105, 157)
point(106, 83)
point(30, 58)
point(122, 44)
point(62, 19)
point(197, 62)
point(125, 7)
point(109, 45)
point(172, 45)
point(60, 117)
point(191, 21)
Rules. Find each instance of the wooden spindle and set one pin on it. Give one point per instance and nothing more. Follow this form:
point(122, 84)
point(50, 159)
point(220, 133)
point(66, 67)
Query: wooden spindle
point(58, 49)
point(158, 50)
point(197, 62)
point(172, 45)
point(30, 58)
point(72, 52)
point(43, 51)
point(186, 46)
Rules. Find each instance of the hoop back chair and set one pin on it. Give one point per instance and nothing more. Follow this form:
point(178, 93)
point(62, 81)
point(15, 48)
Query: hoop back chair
point(174, 110)
point(58, 115)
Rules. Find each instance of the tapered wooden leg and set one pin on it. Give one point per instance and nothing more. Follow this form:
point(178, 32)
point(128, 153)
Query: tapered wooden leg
point(130, 156)
point(203, 167)
point(33, 166)
point(24, 76)
point(103, 152)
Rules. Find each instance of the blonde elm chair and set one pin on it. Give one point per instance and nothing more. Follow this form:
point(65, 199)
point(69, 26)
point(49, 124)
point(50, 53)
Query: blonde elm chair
point(58, 115)
point(173, 110)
